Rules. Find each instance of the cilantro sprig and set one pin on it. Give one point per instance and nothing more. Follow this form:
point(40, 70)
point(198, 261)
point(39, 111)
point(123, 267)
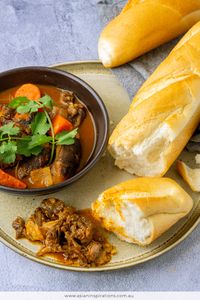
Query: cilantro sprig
point(9, 129)
point(13, 143)
point(8, 152)
point(66, 137)
point(24, 105)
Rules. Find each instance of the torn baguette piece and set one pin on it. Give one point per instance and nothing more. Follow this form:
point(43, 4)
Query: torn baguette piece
point(164, 113)
point(143, 25)
point(140, 210)
point(191, 176)
point(197, 159)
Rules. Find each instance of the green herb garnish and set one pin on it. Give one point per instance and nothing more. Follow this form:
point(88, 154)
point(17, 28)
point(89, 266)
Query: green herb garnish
point(66, 137)
point(23, 148)
point(9, 129)
point(40, 124)
point(8, 152)
point(11, 143)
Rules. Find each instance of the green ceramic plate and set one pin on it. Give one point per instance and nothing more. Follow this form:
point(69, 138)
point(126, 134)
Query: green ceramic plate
point(102, 176)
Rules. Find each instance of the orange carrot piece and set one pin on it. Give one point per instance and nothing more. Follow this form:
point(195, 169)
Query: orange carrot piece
point(60, 124)
point(28, 90)
point(9, 180)
point(21, 117)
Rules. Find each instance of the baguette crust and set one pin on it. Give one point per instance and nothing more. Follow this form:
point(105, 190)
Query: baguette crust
point(143, 25)
point(163, 114)
point(191, 176)
point(161, 202)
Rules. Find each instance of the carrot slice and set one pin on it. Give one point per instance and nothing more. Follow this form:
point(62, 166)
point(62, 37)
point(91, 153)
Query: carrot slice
point(28, 90)
point(9, 180)
point(21, 117)
point(60, 124)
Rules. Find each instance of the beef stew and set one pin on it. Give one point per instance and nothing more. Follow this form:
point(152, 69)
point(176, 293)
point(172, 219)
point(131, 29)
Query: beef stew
point(60, 115)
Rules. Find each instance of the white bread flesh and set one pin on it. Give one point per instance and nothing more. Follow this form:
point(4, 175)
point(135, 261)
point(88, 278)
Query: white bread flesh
point(197, 159)
point(140, 210)
point(143, 25)
point(191, 176)
point(164, 113)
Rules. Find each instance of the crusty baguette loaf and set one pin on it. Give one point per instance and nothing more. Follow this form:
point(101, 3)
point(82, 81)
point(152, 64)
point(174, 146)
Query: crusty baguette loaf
point(163, 114)
point(141, 209)
point(143, 25)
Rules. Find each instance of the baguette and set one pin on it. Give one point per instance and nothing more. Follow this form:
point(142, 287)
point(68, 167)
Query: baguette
point(140, 210)
point(143, 25)
point(191, 176)
point(164, 113)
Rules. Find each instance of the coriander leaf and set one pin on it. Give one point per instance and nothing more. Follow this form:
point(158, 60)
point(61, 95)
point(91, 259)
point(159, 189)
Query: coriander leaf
point(22, 148)
point(24, 105)
point(66, 137)
point(47, 101)
point(14, 103)
point(37, 140)
point(68, 141)
point(9, 129)
point(36, 150)
point(29, 107)
point(8, 152)
point(40, 124)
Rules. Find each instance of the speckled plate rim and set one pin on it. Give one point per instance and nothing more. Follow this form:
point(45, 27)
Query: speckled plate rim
point(169, 244)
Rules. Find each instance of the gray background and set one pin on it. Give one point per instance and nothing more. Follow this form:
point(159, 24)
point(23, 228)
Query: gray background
point(46, 32)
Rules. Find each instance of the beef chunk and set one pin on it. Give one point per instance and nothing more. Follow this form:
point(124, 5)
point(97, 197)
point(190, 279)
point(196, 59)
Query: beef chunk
point(66, 97)
point(23, 121)
point(71, 235)
point(52, 241)
point(74, 236)
point(80, 228)
point(74, 111)
point(6, 114)
point(76, 114)
point(32, 163)
point(39, 216)
point(51, 207)
point(66, 161)
point(93, 250)
point(58, 111)
point(62, 229)
point(19, 226)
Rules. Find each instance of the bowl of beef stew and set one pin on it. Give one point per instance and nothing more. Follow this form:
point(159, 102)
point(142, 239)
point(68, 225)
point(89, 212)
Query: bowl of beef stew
point(53, 130)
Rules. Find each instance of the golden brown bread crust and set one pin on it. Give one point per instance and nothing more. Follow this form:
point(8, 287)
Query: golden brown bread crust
point(161, 200)
point(169, 99)
point(143, 25)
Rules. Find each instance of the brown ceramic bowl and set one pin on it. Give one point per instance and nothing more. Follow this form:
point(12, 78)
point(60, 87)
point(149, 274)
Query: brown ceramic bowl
point(63, 80)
